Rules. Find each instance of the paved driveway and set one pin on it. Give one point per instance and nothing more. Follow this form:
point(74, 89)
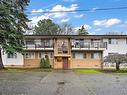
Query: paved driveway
point(62, 83)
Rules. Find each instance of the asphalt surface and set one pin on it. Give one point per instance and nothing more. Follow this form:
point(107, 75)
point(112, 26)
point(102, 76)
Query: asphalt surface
point(62, 83)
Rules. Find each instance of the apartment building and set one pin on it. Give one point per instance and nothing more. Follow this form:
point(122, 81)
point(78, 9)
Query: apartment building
point(67, 51)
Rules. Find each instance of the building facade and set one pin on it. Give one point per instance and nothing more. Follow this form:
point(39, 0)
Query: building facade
point(67, 51)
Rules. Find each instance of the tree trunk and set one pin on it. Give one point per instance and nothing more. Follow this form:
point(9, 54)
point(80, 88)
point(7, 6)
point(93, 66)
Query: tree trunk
point(117, 66)
point(1, 62)
point(102, 65)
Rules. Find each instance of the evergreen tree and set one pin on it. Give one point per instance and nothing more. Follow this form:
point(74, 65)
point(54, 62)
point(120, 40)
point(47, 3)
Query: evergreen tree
point(12, 25)
point(82, 31)
point(46, 27)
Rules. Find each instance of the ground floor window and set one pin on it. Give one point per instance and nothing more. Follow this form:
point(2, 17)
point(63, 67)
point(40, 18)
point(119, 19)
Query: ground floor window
point(30, 55)
point(79, 55)
point(95, 55)
point(11, 55)
point(42, 54)
point(85, 55)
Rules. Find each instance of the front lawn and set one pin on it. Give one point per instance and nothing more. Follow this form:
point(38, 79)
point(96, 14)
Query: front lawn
point(97, 71)
point(87, 71)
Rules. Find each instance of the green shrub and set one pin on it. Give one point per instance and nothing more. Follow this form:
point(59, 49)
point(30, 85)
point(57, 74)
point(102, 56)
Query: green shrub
point(45, 63)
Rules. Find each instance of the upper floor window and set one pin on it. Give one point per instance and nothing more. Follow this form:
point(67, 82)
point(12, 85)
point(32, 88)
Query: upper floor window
point(62, 46)
point(11, 55)
point(112, 41)
point(30, 42)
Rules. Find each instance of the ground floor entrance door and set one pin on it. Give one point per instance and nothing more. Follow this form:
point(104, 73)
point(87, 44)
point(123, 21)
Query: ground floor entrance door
point(65, 62)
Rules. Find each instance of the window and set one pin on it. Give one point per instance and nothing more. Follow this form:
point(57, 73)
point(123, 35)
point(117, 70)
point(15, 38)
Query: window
point(73, 55)
point(42, 54)
point(29, 55)
point(47, 43)
point(62, 46)
point(109, 41)
point(113, 41)
point(30, 42)
point(12, 55)
point(59, 59)
point(79, 55)
point(95, 55)
point(85, 55)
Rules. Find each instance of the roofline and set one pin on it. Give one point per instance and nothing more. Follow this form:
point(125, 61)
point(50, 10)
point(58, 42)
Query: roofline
point(76, 36)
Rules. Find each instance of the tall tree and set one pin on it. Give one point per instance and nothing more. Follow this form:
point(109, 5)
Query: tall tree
point(82, 31)
point(116, 59)
point(66, 29)
point(12, 25)
point(46, 27)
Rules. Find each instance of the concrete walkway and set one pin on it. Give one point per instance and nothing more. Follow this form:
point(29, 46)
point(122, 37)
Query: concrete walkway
point(62, 83)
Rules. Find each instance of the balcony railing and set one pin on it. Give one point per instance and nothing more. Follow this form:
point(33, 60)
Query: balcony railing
point(38, 46)
point(90, 45)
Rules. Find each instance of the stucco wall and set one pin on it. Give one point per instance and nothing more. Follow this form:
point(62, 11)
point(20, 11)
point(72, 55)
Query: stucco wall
point(120, 48)
point(12, 61)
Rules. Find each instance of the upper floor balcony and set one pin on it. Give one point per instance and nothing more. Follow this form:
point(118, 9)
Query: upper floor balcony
point(38, 45)
point(89, 46)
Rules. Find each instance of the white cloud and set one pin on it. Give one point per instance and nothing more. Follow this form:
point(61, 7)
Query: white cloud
point(87, 26)
point(98, 29)
point(79, 16)
point(92, 33)
point(62, 8)
point(106, 22)
point(36, 11)
point(35, 19)
point(59, 15)
point(65, 20)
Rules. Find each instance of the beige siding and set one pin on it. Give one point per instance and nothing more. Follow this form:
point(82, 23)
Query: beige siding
point(85, 63)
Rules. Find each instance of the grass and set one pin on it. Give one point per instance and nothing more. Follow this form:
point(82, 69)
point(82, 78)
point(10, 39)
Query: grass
point(18, 70)
point(12, 70)
point(87, 71)
point(97, 71)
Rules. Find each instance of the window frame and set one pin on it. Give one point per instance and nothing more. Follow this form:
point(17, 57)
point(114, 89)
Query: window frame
point(95, 57)
point(29, 56)
point(12, 55)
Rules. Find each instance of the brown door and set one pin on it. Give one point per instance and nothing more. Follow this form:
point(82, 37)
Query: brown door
point(65, 63)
